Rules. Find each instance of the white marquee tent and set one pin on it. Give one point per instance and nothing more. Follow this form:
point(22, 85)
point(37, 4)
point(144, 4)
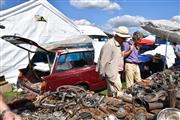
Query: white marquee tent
point(168, 30)
point(164, 28)
point(37, 20)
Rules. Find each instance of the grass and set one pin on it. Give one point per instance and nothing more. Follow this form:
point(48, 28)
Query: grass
point(104, 92)
point(10, 95)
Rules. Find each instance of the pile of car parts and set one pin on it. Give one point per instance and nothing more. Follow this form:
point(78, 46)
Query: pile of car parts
point(143, 101)
point(162, 91)
point(73, 103)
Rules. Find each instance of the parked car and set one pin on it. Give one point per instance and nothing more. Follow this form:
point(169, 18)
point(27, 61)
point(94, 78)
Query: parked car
point(63, 66)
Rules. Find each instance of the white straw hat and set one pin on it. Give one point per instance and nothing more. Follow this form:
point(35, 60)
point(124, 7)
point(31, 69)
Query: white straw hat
point(122, 31)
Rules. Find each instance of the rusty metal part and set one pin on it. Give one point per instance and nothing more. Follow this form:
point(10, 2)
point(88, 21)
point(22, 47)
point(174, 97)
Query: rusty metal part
point(92, 101)
point(140, 116)
point(150, 116)
point(127, 99)
point(80, 92)
point(63, 96)
point(104, 109)
point(128, 108)
point(121, 113)
point(178, 93)
point(155, 105)
point(153, 97)
point(84, 115)
point(178, 103)
point(171, 99)
point(140, 109)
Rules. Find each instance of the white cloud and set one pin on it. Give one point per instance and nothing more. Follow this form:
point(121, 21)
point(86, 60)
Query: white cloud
point(112, 6)
point(176, 18)
point(82, 22)
point(132, 22)
point(125, 20)
point(2, 2)
point(101, 4)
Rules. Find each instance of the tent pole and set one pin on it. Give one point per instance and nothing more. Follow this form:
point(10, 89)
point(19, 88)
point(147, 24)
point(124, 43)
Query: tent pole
point(166, 52)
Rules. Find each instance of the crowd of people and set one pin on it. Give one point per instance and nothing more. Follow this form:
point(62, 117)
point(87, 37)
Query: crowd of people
point(117, 56)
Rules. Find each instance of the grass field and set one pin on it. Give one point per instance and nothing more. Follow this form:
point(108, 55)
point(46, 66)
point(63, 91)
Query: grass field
point(104, 92)
point(10, 95)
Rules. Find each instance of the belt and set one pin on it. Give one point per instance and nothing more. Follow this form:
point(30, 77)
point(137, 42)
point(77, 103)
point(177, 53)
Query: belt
point(132, 63)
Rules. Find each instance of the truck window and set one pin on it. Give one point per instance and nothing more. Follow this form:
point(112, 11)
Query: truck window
point(75, 60)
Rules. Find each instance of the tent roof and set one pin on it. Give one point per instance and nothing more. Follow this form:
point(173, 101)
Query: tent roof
point(30, 4)
point(91, 30)
point(163, 28)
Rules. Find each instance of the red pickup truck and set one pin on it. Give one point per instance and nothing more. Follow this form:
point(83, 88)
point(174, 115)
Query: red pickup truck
point(48, 70)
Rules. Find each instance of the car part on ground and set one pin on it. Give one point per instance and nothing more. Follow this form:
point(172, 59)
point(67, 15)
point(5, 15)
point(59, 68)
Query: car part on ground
point(169, 114)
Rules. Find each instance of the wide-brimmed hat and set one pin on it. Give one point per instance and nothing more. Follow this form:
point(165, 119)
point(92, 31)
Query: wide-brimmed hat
point(122, 31)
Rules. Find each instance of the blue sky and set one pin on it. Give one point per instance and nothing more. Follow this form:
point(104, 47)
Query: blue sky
point(109, 14)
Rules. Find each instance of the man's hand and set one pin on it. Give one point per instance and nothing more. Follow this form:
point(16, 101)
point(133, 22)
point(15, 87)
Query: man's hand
point(5, 112)
point(11, 116)
point(131, 47)
point(128, 52)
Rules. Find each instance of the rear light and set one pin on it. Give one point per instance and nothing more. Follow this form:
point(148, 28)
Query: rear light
point(21, 76)
point(43, 86)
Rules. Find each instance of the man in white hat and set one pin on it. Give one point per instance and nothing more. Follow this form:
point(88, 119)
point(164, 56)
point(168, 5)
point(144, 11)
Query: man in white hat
point(110, 61)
